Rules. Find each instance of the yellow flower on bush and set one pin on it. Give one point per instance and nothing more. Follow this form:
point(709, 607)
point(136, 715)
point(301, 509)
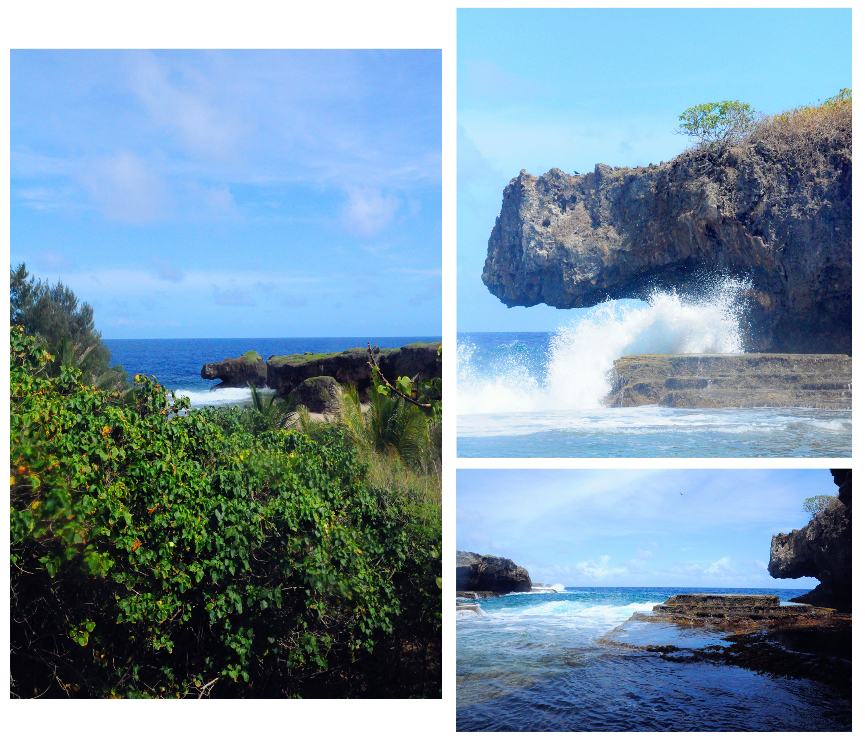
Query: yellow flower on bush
point(105, 430)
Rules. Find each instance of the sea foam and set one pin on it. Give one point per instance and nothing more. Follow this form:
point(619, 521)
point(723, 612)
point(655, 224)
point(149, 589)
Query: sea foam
point(582, 352)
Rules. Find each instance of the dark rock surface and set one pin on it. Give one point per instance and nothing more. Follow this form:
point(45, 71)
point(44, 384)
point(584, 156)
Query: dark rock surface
point(822, 549)
point(350, 367)
point(720, 609)
point(320, 395)
point(490, 573)
point(705, 381)
point(573, 241)
point(237, 371)
point(475, 594)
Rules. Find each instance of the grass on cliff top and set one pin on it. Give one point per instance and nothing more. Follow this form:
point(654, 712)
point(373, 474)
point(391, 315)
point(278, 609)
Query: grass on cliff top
point(252, 357)
point(810, 130)
point(299, 359)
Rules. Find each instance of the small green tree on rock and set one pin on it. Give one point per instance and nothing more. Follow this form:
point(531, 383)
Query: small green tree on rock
point(717, 124)
point(813, 505)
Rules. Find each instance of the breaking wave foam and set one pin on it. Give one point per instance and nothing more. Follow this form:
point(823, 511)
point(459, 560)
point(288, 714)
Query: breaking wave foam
point(581, 353)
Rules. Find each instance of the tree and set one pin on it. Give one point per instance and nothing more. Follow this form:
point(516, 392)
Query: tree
point(813, 505)
point(717, 124)
point(64, 328)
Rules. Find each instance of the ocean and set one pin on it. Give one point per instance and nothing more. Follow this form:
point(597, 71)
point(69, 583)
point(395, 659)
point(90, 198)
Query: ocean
point(533, 662)
point(538, 394)
point(177, 363)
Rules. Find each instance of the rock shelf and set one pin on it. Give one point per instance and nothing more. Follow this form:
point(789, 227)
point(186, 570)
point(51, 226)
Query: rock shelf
point(711, 381)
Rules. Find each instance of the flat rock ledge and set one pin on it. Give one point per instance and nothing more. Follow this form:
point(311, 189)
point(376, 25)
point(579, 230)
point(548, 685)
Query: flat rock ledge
point(714, 381)
point(733, 609)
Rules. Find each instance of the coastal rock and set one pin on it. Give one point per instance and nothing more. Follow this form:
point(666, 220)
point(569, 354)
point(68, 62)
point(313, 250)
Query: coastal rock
point(490, 573)
point(707, 381)
point(822, 549)
point(350, 367)
point(575, 241)
point(320, 395)
point(721, 609)
point(238, 371)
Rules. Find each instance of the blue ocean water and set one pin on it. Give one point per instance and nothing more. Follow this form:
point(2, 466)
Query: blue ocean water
point(177, 363)
point(534, 662)
point(538, 395)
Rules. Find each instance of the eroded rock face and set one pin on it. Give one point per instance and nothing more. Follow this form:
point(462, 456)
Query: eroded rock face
point(573, 241)
point(490, 573)
point(285, 373)
point(822, 549)
point(237, 371)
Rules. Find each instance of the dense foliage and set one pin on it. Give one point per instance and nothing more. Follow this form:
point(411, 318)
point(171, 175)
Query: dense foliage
point(65, 329)
point(161, 551)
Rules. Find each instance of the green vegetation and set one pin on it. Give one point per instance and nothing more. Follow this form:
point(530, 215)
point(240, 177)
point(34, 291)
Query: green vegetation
point(716, 124)
point(63, 328)
point(159, 551)
point(813, 505)
point(810, 132)
point(251, 357)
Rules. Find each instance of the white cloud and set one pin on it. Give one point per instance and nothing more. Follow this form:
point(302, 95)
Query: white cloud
point(368, 211)
point(127, 188)
point(722, 566)
point(182, 106)
point(597, 569)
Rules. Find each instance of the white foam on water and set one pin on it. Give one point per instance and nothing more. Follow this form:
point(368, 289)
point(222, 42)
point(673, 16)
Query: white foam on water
point(581, 353)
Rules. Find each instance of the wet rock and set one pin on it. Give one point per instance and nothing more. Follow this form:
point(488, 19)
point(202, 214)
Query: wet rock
point(490, 573)
point(707, 381)
point(822, 549)
point(720, 609)
point(236, 372)
point(574, 241)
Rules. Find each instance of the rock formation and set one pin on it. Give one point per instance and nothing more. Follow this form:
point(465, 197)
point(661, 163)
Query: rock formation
point(574, 241)
point(707, 381)
point(237, 371)
point(723, 609)
point(490, 573)
point(822, 549)
point(285, 373)
point(320, 395)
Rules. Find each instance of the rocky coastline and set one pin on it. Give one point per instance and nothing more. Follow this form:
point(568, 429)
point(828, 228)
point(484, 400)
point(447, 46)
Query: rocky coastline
point(822, 549)
point(316, 378)
point(754, 632)
point(711, 381)
point(493, 574)
point(775, 218)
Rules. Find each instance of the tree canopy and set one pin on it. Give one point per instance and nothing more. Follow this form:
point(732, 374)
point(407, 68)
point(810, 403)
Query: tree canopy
point(718, 123)
point(64, 328)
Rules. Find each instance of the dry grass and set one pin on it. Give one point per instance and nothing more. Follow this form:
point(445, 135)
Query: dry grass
point(808, 133)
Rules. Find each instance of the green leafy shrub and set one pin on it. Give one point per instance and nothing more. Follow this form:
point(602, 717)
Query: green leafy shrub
point(813, 505)
point(717, 124)
point(161, 551)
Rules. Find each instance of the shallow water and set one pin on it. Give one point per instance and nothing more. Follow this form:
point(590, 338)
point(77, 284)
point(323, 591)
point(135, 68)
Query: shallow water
point(533, 662)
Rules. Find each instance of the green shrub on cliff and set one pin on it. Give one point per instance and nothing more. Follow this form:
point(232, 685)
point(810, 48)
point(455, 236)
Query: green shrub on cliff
point(813, 505)
point(163, 555)
point(717, 124)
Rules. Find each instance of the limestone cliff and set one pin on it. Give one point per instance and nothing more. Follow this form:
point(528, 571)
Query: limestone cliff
point(781, 218)
point(490, 573)
point(822, 549)
point(237, 371)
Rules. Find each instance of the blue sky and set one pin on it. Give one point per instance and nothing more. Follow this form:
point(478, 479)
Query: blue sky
point(636, 528)
point(569, 88)
point(232, 193)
